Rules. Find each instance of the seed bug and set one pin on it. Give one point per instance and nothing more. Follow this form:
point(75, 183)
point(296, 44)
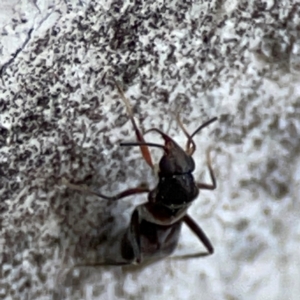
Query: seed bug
point(154, 228)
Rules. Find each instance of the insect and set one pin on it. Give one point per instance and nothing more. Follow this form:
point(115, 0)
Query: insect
point(155, 226)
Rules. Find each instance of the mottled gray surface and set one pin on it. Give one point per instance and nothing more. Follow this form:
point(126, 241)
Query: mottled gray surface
point(60, 116)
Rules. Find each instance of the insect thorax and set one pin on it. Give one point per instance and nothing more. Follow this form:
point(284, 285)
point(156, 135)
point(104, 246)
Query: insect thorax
point(175, 191)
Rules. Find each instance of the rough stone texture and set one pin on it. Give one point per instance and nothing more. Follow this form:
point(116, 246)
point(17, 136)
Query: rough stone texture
point(61, 116)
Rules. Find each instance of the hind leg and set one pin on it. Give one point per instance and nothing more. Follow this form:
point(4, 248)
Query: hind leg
point(197, 230)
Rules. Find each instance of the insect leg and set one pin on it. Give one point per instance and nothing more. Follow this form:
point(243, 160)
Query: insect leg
point(196, 229)
point(206, 186)
point(199, 233)
point(126, 193)
point(144, 149)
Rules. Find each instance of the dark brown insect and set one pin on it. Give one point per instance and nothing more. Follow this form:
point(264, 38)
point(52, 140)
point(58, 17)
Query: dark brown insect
point(155, 226)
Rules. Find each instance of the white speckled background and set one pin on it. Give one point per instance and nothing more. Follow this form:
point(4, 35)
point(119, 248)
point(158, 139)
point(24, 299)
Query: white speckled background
point(60, 115)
